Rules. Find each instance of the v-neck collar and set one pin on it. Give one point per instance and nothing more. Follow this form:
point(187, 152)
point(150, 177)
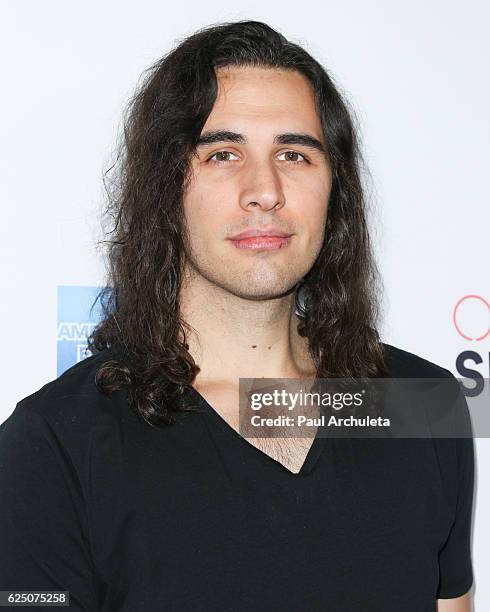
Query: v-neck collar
point(228, 435)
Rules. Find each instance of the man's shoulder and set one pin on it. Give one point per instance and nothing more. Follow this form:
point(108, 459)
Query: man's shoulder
point(421, 382)
point(61, 429)
point(404, 364)
point(74, 395)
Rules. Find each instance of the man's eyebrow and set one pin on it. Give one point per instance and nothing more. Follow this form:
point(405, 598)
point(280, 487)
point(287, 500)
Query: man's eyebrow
point(288, 138)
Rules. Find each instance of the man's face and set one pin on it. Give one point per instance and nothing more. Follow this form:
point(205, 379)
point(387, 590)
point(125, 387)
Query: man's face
point(258, 180)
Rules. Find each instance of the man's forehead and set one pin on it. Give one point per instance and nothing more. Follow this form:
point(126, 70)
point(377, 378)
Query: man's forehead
point(276, 106)
point(269, 86)
point(231, 71)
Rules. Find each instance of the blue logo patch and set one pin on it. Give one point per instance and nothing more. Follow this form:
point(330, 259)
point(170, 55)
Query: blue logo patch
point(76, 321)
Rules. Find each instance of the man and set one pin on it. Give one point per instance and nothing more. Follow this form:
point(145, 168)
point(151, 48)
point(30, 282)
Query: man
point(240, 250)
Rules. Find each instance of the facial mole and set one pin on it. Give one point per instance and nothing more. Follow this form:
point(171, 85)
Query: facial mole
point(254, 346)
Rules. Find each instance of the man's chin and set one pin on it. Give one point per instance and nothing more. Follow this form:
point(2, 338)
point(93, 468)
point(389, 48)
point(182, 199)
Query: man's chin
point(262, 292)
point(257, 285)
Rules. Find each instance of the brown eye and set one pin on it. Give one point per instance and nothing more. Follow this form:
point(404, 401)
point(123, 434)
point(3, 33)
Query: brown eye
point(293, 154)
point(222, 156)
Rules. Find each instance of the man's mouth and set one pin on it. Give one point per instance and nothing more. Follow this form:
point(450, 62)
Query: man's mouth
point(262, 242)
point(270, 238)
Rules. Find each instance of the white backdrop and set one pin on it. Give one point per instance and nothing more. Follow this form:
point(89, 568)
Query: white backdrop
point(417, 75)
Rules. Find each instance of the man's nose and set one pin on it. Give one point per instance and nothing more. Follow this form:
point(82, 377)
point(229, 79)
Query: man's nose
point(262, 187)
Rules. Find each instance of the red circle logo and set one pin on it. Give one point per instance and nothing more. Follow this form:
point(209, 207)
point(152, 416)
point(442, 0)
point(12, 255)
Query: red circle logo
point(457, 317)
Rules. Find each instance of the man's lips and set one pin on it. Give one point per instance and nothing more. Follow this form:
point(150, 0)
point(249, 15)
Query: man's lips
point(269, 238)
point(265, 231)
point(262, 242)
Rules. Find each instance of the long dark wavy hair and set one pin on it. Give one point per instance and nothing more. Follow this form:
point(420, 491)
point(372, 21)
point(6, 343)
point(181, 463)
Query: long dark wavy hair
point(339, 297)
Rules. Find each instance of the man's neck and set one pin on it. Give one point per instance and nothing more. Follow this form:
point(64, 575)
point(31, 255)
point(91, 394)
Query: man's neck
point(243, 338)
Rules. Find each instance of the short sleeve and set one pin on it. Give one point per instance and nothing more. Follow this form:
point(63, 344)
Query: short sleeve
point(43, 541)
point(455, 564)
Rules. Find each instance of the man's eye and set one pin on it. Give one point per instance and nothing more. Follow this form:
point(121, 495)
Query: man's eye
point(222, 156)
point(290, 154)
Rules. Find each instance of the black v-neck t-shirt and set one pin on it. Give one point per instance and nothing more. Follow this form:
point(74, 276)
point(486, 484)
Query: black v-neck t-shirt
point(193, 517)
